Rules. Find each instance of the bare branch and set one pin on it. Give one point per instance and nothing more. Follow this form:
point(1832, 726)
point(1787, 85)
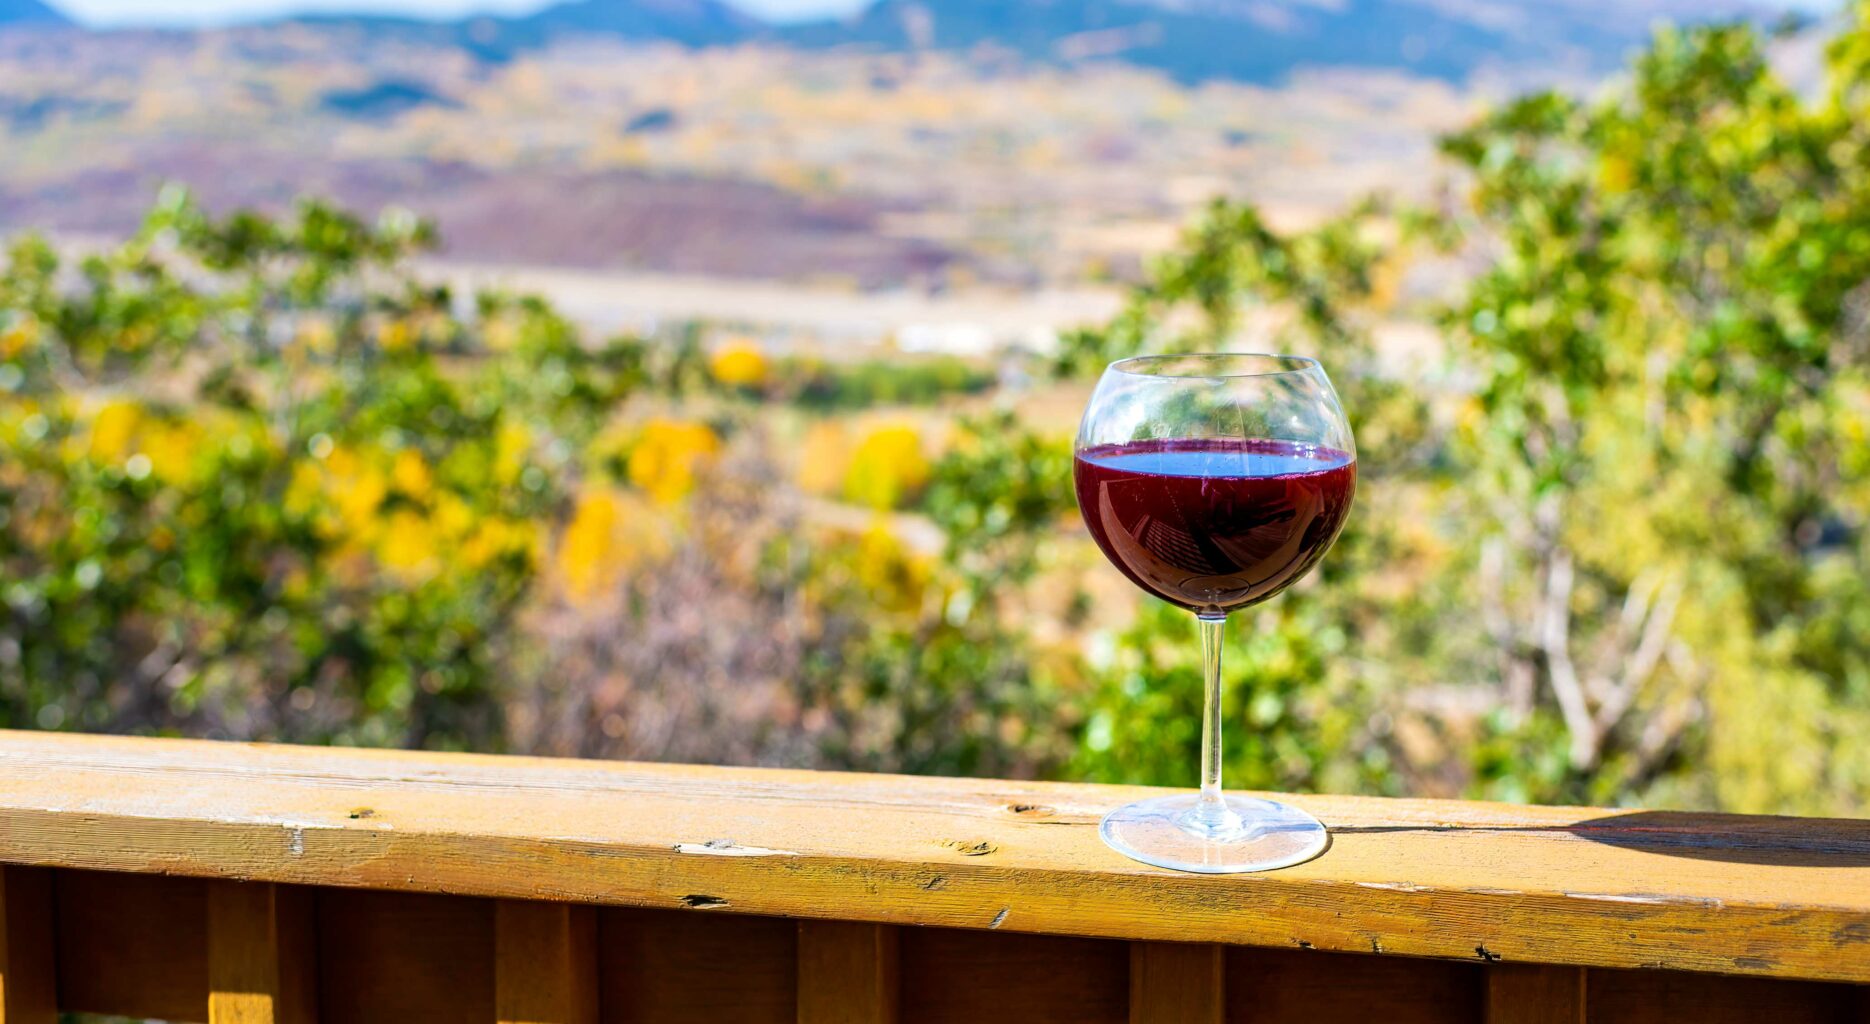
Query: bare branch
point(1642, 663)
point(1636, 605)
point(1555, 644)
point(1514, 668)
point(1664, 731)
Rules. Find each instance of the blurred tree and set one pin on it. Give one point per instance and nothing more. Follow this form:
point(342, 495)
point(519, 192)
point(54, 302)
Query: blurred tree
point(1643, 540)
point(247, 488)
point(1670, 333)
point(923, 666)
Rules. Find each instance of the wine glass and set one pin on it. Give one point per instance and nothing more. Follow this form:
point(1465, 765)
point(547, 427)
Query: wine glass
point(1214, 482)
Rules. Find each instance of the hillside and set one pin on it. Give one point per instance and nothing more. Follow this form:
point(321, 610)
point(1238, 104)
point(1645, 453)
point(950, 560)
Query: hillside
point(690, 22)
point(756, 161)
point(1262, 41)
point(931, 145)
point(1266, 40)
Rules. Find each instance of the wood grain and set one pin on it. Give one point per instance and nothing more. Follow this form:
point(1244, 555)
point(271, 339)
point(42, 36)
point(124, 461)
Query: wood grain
point(848, 973)
point(1639, 997)
point(132, 945)
point(262, 954)
point(677, 967)
point(404, 958)
point(28, 979)
point(545, 963)
point(1536, 994)
point(1271, 986)
point(990, 977)
point(1177, 983)
point(1485, 883)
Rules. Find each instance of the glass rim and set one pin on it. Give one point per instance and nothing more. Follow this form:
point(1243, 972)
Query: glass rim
point(1271, 364)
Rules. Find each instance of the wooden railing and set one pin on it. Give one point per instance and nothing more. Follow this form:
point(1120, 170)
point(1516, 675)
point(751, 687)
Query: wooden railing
point(193, 881)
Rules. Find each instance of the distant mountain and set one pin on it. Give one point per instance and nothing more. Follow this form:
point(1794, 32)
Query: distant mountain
point(1264, 40)
point(691, 22)
point(1190, 40)
point(29, 12)
point(687, 22)
point(382, 100)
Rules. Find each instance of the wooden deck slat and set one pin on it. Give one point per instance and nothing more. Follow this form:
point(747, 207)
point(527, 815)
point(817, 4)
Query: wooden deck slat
point(545, 963)
point(132, 945)
point(1177, 983)
point(1486, 883)
point(1536, 994)
point(677, 967)
point(848, 973)
point(404, 958)
point(1640, 997)
point(1268, 986)
point(28, 982)
point(262, 954)
point(1004, 978)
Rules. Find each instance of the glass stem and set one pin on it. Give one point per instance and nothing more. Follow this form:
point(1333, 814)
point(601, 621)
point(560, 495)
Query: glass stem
point(1210, 815)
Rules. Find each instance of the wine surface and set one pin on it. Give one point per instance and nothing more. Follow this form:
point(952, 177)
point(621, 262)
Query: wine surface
point(1214, 525)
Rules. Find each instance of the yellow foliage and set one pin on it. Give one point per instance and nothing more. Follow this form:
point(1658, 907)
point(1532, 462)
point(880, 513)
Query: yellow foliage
point(739, 365)
point(1615, 174)
point(1386, 280)
point(586, 552)
point(495, 538)
point(396, 335)
point(668, 456)
point(411, 476)
point(894, 578)
point(356, 486)
point(305, 490)
point(435, 532)
point(500, 334)
point(609, 533)
point(888, 468)
point(511, 446)
point(452, 516)
point(824, 458)
point(113, 430)
point(171, 449)
point(17, 338)
point(409, 545)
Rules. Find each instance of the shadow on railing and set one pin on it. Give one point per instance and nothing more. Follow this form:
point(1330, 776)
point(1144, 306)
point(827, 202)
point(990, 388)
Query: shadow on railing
point(1778, 841)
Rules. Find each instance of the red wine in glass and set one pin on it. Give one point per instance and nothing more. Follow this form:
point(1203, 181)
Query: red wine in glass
point(1214, 524)
point(1214, 482)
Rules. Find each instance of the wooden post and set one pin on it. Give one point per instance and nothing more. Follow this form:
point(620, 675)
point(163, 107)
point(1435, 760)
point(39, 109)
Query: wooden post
point(28, 984)
point(545, 963)
point(1176, 983)
point(1535, 994)
point(261, 954)
point(848, 973)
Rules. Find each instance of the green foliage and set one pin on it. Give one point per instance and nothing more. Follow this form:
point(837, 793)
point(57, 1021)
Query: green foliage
point(1228, 264)
point(1288, 727)
point(1674, 347)
point(314, 518)
point(822, 386)
point(997, 492)
point(940, 675)
point(1639, 540)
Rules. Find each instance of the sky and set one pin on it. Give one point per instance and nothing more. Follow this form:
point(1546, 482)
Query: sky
point(210, 12)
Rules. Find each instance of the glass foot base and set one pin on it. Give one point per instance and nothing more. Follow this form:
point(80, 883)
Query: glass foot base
point(1251, 835)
